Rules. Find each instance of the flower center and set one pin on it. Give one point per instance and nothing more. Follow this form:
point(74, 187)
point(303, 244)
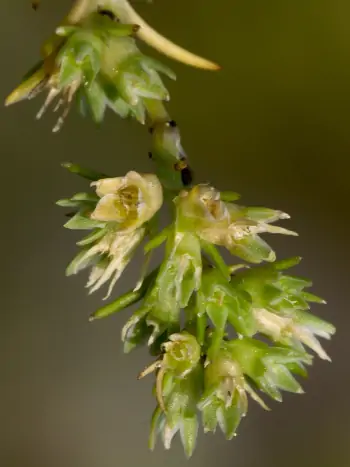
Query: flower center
point(128, 202)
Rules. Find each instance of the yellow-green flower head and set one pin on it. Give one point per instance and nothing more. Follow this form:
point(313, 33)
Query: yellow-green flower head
point(131, 200)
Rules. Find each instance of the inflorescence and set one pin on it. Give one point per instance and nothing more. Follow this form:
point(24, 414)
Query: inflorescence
point(200, 318)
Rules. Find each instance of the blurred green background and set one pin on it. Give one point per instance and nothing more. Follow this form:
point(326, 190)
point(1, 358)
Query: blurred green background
point(272, 125)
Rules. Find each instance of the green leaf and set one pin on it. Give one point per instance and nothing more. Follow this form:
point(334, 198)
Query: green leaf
point(271, 294)
point(154, 64)
point(81, 221)
point(294, 283)
point(287, 263)
point(117, 305)
point(240, 313)
point(297, 368)
point(125, 300)
point(269, 388)
point(260, 214)
point(285, 355)
point(92, 237)
point(309, 297)
point(33, 82)
point(218, 316)
point(253, 249)
point(188, 433)
point(68, 203)
point(86, 197)
point(215, 256)
point(84, 172)
point(230, 418)
point(229, 196)
point(156, 423)
point(209, 416)
point(69, 71)
point(97, 101)
point(282, 377)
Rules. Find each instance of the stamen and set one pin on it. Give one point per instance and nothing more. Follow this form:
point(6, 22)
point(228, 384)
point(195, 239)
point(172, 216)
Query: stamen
point(53, 93)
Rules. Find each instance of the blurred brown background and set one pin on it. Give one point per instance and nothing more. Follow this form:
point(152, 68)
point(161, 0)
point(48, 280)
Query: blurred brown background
point(272, 125)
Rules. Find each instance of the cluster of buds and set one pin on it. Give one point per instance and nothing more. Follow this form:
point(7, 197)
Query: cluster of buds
point(193, 301)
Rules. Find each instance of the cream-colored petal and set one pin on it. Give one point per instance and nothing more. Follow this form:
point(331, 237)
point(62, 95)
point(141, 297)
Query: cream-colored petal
point(107, 186)
point(107, 209)
point(151, 193)
point(307, 338)
point(270, 323)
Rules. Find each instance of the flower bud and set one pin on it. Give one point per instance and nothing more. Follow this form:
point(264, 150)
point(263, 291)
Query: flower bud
point(182, 353)
point(181, 356)
point(224, 401)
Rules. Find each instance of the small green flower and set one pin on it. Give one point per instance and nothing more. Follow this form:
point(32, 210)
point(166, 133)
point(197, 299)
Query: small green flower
point(178, 388)
point(290, 330)
point(270, 368)
point(238, 366)
point(227, 224)
point(280, 307)
point(225, 400)
point(181, 355)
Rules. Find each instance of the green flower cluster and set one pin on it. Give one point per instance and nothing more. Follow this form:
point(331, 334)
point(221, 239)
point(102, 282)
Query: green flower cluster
point(97, 64)
point(201, 318)
point(81, 61)
point(193, 302)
